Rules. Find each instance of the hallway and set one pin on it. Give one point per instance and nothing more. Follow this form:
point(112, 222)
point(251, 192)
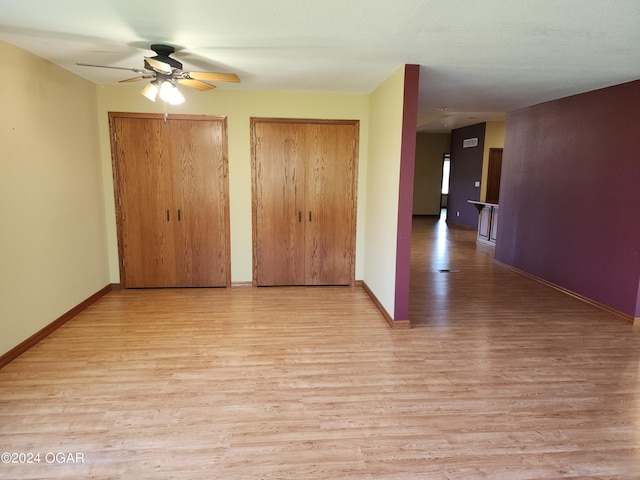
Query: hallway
point(479, 292)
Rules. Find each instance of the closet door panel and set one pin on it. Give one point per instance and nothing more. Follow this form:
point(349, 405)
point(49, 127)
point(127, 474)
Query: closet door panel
point(330, 203)
point(279, 194)
point(145, 199)
point(198, 150)
point(171, 188)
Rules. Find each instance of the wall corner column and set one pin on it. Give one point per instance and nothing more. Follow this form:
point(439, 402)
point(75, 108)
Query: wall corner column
point(405, 204)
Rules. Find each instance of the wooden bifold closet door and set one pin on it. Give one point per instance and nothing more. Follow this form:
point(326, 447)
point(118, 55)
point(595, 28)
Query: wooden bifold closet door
point(304, 201)
point(171, 200)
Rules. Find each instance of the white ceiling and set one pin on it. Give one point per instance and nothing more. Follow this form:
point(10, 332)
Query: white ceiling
point(479, 58)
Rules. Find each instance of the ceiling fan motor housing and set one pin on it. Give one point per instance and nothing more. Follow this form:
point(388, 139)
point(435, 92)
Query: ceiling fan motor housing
point(162, 55)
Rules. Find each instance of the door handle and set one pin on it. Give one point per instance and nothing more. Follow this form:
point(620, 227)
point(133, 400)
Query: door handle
point(178, 214)
point(167, 215)
point(309, 215)
point(299, 216)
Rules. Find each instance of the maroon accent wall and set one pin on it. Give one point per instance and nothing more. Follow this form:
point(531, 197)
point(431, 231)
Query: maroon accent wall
point(466, 169)
point(570, 195)
point(405, 200)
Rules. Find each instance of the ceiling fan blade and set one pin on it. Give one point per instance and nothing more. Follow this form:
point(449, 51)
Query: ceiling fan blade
point(159, 66)
point(136, 70)
point(214, 77)
point(189, 82)
point(134, 79)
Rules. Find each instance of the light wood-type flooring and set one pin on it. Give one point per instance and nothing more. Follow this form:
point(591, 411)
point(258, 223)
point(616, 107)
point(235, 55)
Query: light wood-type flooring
point(500, 377)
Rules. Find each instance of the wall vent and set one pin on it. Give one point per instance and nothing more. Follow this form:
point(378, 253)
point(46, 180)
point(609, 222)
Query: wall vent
point(470, 142)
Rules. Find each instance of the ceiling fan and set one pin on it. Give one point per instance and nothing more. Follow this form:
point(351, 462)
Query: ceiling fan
point(165, 72)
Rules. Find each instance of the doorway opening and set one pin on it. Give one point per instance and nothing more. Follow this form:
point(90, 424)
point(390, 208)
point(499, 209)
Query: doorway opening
point(494, 175)
point(444, 188)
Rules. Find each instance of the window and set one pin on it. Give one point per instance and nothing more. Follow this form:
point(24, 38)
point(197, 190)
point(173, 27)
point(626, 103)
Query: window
point(446, 168)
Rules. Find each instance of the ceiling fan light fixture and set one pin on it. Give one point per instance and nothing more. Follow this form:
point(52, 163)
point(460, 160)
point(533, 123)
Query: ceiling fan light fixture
point(151, 91)
point(170, 93)
point(165, 71)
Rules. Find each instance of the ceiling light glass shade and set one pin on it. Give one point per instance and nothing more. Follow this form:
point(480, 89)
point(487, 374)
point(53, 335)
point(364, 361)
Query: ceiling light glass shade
point(170, 93)
point(150, 91)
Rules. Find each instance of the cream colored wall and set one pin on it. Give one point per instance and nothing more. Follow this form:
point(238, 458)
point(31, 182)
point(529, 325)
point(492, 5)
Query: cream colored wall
point(53, 252)
point(238, 106)
point(493, 138)
point(383, 180)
